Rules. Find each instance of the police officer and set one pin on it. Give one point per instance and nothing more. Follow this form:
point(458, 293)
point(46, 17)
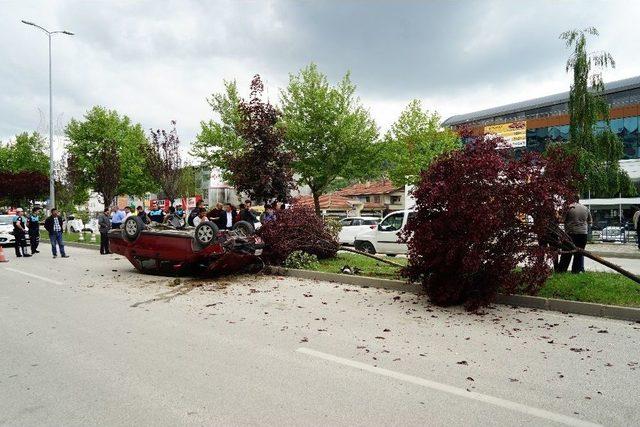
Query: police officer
point(34, 230)
point(19, 232)
point(156, 214)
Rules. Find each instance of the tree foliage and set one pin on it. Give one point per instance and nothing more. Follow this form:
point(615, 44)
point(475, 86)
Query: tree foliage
point(22, 187)
point(68, 195)
point(162, 157)
point(26, 153)
point(414, 141)
point(470, 231)
point(217, 139)
point(297, 229)
point(597, 152)
point(329, 133)
point(88, 137)
point(262, 168)
point(108, 172)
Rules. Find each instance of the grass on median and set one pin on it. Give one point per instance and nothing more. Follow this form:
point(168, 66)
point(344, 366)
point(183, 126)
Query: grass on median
point(597, 287)
point(73, 238)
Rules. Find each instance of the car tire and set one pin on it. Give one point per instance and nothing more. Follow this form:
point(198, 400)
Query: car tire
point(244, 228)
point(367, 247)
point(132, 228)
point(206, 233)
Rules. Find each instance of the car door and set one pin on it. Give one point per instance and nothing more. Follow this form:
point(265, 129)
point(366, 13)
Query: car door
point(346, 233)
point(387, 233)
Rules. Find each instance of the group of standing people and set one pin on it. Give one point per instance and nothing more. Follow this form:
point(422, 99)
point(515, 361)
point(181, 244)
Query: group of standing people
point(29, 225)
point(224, 216)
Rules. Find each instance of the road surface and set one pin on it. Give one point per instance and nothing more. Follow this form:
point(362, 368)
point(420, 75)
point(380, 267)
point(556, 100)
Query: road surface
point(87, 340)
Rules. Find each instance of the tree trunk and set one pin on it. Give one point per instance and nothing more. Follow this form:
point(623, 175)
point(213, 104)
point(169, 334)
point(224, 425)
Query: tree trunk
point(316, 203)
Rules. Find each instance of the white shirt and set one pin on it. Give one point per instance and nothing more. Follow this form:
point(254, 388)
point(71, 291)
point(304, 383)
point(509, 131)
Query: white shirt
point(229, 219)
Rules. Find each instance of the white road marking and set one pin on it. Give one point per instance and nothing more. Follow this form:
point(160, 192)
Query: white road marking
point(35, 276)
point(496, 401)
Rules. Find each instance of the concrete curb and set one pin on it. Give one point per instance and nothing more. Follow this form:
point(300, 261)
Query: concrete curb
point(551, 304)
point(616, 255)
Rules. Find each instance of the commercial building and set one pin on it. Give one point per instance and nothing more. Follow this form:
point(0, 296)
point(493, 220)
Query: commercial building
point(532, 125)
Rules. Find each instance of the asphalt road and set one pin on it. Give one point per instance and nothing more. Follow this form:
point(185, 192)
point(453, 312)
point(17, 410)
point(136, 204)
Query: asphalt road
point(87, 340)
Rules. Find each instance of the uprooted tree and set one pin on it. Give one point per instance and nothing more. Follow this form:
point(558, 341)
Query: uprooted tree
point(480, 216)
point(297, 229)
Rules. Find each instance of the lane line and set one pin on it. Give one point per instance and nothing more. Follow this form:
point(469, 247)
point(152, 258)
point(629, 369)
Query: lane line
point(496, 401)
point(35, 276)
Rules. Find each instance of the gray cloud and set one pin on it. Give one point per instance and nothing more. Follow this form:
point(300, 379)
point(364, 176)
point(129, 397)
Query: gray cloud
point(158, 60)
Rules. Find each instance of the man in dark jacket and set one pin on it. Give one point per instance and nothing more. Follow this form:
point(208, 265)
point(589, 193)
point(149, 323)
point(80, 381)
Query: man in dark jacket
point(34, 230)
point(194, 212)
point(143, 215)
point(247, 214)
point(19, 232)
point(104, 225)
point(228, 218)
point(577, 220)
point(54, 225)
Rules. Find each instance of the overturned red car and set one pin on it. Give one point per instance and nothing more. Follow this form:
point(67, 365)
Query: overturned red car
point(174, 250)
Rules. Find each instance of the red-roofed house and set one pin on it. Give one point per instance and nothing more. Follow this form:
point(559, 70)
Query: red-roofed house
point(330, 204)
point(375, 197)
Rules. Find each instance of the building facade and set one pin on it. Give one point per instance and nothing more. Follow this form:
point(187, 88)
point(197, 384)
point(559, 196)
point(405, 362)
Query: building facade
point(532, 125)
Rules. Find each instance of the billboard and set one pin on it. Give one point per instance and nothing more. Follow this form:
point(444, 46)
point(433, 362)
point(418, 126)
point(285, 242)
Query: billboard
point(514, 133)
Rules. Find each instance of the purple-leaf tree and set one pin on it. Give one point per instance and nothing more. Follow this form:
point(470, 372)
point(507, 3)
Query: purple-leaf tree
point(481, 216)
point(262, 170)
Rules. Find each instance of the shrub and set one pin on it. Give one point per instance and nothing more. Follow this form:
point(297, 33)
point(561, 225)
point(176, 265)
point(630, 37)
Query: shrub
point(299, 259)
point(480, 214)
point(297, 229)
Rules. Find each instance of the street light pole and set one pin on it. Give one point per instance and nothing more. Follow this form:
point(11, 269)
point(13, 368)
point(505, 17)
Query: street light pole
point(52, 191)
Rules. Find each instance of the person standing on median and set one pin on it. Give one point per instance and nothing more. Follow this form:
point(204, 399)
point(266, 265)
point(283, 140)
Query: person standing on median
point(53, 224)
point(20, 232)
point(636, 218)
point(577, 220)
point(104, 225)
point(34, 230)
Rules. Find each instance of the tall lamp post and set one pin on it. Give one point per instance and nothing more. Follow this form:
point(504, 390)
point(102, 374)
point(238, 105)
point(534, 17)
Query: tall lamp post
point(52, 191)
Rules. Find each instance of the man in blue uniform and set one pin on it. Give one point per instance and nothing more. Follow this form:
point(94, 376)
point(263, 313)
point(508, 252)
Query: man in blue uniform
point(20, 232)
point(34, 230)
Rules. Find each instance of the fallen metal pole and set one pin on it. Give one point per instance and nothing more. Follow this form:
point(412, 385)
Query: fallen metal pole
point(371, 256)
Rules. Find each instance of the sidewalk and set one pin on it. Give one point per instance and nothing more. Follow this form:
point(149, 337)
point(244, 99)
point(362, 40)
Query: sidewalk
point(614, 250)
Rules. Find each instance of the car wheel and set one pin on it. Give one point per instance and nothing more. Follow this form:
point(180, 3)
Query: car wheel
point(133, 226)
point(368, 248)
point(244, 228)
point(206, 233)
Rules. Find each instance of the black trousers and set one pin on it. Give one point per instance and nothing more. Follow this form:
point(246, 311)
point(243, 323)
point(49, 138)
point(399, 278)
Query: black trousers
point(104, 242)
point(21, 243)
point(580, 240)
point(34, 240)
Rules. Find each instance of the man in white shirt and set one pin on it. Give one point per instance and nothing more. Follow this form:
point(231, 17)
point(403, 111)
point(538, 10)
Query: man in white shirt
point(228, 218)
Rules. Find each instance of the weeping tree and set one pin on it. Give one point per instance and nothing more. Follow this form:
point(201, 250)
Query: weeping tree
point(162, 157)
point(597, 152)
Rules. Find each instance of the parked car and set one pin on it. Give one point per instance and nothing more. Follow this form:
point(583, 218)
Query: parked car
point(383, 239)
point(163, 249)
point(6, 230)
point(354, 226)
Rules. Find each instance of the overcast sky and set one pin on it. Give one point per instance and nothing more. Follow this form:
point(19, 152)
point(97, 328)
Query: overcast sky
point(159, 60)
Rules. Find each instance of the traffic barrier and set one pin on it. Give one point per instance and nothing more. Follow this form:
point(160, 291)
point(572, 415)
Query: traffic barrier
point(81, 237)
point(93, 237)
point(2, 257)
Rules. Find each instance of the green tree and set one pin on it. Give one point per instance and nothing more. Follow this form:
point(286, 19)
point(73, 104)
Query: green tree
point(330, 134)
point(414, 141)
point(218, 139)
point(92, 137)
point(26, 154)
point(598, 152)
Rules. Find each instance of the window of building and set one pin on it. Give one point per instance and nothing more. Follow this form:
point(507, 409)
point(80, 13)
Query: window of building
point(395, 200)
point(376, 199)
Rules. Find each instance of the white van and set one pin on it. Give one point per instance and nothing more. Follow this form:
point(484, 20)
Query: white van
point(384, 238)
